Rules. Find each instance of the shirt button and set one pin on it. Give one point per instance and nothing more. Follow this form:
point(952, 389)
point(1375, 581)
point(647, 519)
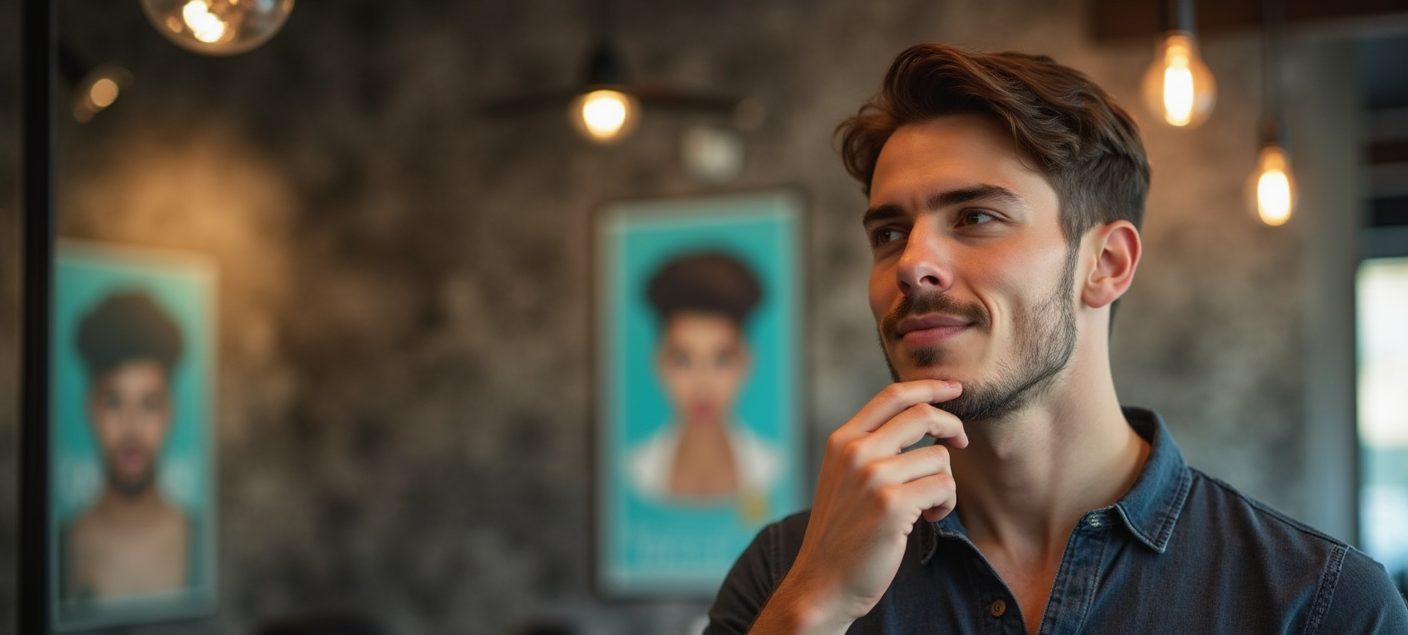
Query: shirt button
point(998, 608)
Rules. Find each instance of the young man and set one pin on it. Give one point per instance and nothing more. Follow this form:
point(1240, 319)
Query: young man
point(132, 541)
point(1006, 193)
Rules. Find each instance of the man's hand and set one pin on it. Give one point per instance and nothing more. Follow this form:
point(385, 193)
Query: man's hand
point(868, 499)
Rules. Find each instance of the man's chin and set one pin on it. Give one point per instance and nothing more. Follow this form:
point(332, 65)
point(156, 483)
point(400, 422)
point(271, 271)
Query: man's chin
point(132, 486)
point(923, 364)
point(921, 373)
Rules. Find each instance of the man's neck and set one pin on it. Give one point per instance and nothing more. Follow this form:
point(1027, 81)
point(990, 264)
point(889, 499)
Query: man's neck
point(122, 509)
point(1024, 482)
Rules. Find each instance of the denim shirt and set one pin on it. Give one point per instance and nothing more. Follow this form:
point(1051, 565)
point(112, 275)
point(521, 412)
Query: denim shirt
point(1181, 552)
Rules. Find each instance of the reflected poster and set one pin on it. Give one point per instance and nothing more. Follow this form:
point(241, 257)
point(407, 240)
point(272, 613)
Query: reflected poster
point(133, 510)
point(698, 329)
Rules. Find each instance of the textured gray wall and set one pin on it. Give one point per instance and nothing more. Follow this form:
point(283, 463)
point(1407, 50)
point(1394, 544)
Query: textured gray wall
point(403, 399)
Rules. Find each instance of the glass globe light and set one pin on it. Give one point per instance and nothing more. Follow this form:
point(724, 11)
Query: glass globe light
point(218, 27)
point(605, 115)
point(1178, 87)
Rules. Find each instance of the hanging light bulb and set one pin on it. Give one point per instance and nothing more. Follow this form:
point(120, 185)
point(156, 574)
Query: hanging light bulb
point(98, 89)
point(604, 115)
point(1178, 87)
point(218, 27)
point(1272, 189)
point(1275, 190)
point(92, 88)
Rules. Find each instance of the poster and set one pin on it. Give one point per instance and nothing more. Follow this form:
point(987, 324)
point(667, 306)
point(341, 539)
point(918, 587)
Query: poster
point(698, 336)
point(133, 508)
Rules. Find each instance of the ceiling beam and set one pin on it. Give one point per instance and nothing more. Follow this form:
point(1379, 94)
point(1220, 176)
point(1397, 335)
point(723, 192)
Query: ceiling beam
point(1113, 20)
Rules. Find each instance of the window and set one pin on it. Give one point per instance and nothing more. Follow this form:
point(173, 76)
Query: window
point(1382, 291)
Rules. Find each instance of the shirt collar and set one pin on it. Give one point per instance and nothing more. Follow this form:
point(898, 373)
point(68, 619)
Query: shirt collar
point(1149, 509)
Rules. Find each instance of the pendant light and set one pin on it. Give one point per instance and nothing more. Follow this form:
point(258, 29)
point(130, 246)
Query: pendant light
point(91, 88)
point(1178, 87)
point(218, 27)
point(606, 107)
point(1271, 189)
point(604, 111)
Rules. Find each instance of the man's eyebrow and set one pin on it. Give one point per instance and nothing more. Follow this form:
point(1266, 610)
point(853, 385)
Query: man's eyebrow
point(882, 213)
point(963, 195)
point(947, 198)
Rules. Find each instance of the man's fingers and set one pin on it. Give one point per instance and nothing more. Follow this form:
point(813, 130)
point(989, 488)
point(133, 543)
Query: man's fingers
point(911, 426)
point(899, 432)
point(898, 397)
point(903, 468)
point(934, 496)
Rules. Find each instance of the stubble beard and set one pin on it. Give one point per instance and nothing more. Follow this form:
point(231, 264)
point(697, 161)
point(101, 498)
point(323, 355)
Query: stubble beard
point(1045, 338)
point(132, 487)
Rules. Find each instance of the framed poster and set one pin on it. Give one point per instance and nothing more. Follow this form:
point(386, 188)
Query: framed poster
point(132, 524)
point(697, 338)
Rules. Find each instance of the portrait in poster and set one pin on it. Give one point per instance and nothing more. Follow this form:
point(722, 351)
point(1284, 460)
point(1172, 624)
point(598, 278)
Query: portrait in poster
point(132, 525)
point(698, 314)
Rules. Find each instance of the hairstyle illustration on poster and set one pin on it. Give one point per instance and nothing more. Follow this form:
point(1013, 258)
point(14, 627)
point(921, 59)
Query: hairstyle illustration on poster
point(698, 329)
point(133, 510)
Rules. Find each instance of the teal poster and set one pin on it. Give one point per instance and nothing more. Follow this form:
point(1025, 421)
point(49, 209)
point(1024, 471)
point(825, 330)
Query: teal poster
point(699, 328)
point(133, 506)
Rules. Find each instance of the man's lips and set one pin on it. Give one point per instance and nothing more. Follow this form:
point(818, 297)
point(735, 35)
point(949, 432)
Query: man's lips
point(930, 328)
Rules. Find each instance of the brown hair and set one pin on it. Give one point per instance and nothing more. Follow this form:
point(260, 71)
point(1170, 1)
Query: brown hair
point(127, 326)
point(707, 282)
point(1087, 147)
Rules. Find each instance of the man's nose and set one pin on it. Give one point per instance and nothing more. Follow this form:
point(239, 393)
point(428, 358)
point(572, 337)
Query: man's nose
point(924, 266)
point(130, 417)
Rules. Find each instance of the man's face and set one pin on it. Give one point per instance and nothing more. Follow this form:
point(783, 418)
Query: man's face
point(131, 411)
point(702, 362)
point(972, 279)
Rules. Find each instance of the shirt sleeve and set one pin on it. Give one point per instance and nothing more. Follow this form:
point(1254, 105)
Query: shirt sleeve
point(754, 576)
point(1365, 601)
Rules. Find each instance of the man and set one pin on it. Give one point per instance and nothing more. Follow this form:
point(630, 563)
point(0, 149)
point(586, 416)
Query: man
point(131, 541)
point(1006, 193)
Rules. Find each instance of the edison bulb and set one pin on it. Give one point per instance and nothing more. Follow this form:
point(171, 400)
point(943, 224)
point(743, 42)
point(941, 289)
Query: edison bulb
point(218, 27)
point(98, 90)
point(1272, 187)
point(1178, 87)
point(604, 116)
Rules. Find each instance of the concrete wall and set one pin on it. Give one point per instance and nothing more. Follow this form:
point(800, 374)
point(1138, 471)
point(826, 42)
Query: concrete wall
point(403, 398)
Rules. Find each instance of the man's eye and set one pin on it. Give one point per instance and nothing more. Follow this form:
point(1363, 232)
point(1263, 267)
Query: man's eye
point(885, 235)
point(974, 217)
point(680, 361)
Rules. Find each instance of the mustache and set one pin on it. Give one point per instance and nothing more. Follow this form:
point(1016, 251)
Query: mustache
point(132, 445)
point(921, 304)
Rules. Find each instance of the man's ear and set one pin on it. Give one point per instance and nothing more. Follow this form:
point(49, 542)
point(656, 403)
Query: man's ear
point(1116, 248)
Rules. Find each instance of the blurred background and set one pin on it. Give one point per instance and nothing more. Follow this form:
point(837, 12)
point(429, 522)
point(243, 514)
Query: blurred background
point(403, 412)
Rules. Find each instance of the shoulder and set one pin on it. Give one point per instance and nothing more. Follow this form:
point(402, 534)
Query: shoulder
point(85, 531)
point(170, 522)
point(1362, 599)
point(778, 543)
point(755, 574)
point(1334, 587)
point(1251, 537)
point(649, 463)
point(1215, 505)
